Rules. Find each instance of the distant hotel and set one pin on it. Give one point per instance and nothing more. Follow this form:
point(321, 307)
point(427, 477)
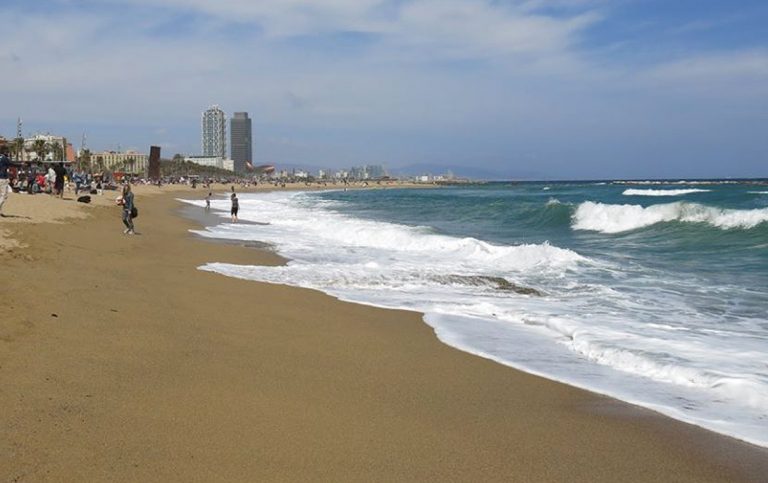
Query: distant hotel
point(53, 148)
point(127, 162)
point(242, 149)
point(214, 133)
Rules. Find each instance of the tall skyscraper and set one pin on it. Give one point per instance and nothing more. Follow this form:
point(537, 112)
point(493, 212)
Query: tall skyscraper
point(242, 149)
point(214, 132)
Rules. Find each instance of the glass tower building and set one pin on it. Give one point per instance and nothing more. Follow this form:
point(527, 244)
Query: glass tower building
point(242, 149)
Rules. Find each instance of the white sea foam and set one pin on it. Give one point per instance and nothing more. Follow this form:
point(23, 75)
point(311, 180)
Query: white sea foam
point(666, 192)
point(608, 218)
point(645, 345)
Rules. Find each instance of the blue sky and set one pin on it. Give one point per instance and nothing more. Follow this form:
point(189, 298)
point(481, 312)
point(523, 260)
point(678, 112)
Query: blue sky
point(529, 88)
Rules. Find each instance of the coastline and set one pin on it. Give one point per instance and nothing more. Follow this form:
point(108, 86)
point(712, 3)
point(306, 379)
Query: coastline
point(152, 369)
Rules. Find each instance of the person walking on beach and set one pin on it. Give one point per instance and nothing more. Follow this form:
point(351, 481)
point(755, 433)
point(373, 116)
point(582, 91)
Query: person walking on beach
point(50, 180)
point(235, 207)
point(208, 202)
point(127, 203)
point(61, 173)
point(5, 163)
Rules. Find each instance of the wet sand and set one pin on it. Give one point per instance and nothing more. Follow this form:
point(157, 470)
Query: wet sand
point(120, 361)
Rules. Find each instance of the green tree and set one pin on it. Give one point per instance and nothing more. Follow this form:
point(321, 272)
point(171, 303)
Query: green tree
point(85, 159)
point(40, 147)
point(57, 151)
point(18, 146)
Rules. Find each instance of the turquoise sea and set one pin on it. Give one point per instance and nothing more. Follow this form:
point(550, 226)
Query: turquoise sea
point(653, 292)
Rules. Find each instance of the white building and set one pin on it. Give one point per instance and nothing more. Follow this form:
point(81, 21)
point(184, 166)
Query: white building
point(49, 141)
point(214, 132)
point(212, 161)
point(128, 161)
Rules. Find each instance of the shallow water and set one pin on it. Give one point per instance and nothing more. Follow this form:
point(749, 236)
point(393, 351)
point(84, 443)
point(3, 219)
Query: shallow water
point(655, 294)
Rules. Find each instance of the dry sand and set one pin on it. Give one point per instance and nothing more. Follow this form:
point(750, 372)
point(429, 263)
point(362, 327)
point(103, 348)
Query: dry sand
point(120, 361)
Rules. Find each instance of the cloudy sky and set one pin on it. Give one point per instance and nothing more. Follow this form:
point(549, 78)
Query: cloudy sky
point(527, 88)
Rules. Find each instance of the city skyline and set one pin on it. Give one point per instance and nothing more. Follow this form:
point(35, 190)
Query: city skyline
point(529, 89)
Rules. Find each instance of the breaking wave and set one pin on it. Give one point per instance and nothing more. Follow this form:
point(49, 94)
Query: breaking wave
point(606, 218)
point(667, 192)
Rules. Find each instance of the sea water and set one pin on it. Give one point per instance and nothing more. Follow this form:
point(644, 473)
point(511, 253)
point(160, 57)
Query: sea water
point(654, 293)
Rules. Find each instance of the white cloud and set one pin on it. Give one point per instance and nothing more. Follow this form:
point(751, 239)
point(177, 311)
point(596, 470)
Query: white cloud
point(479, 29)
point(715, 67)
point(454, 27)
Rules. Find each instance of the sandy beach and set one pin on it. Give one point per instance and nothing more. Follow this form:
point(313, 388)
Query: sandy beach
point(120, 361)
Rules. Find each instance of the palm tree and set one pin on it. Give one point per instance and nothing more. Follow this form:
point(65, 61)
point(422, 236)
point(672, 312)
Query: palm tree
point(18, 145)
point(40, 147)
point(57, 151)
point(85, 159)
point(131, 161)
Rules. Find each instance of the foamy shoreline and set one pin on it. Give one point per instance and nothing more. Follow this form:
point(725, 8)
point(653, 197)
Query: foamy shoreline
point(448, 332)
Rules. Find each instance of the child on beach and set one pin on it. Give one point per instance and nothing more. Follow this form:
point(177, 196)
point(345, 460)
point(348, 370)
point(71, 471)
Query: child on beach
point(208, 202)
point(235, 207)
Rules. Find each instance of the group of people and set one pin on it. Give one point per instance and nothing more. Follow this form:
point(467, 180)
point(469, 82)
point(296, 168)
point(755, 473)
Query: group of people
point(39, 179)
point(235, 204)
point(55, 179)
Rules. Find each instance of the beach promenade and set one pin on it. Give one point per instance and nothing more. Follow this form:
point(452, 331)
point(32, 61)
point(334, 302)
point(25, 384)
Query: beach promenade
point(120, 361)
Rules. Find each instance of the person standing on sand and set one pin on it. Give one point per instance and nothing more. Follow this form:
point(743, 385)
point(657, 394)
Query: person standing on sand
point(4, 186)
point(50, 180)
point(235, 207)
point(58, 185)
point(127, 203)
point(208, 202)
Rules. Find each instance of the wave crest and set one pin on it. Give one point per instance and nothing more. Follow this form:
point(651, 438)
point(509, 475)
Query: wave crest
point(667, 192)
point(605, 218)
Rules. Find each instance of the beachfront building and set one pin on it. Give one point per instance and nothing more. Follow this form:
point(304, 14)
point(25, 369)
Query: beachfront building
point(240, 137)
point(214, 132)
point(47, 147)
point(127, 162)
point(212, 161)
